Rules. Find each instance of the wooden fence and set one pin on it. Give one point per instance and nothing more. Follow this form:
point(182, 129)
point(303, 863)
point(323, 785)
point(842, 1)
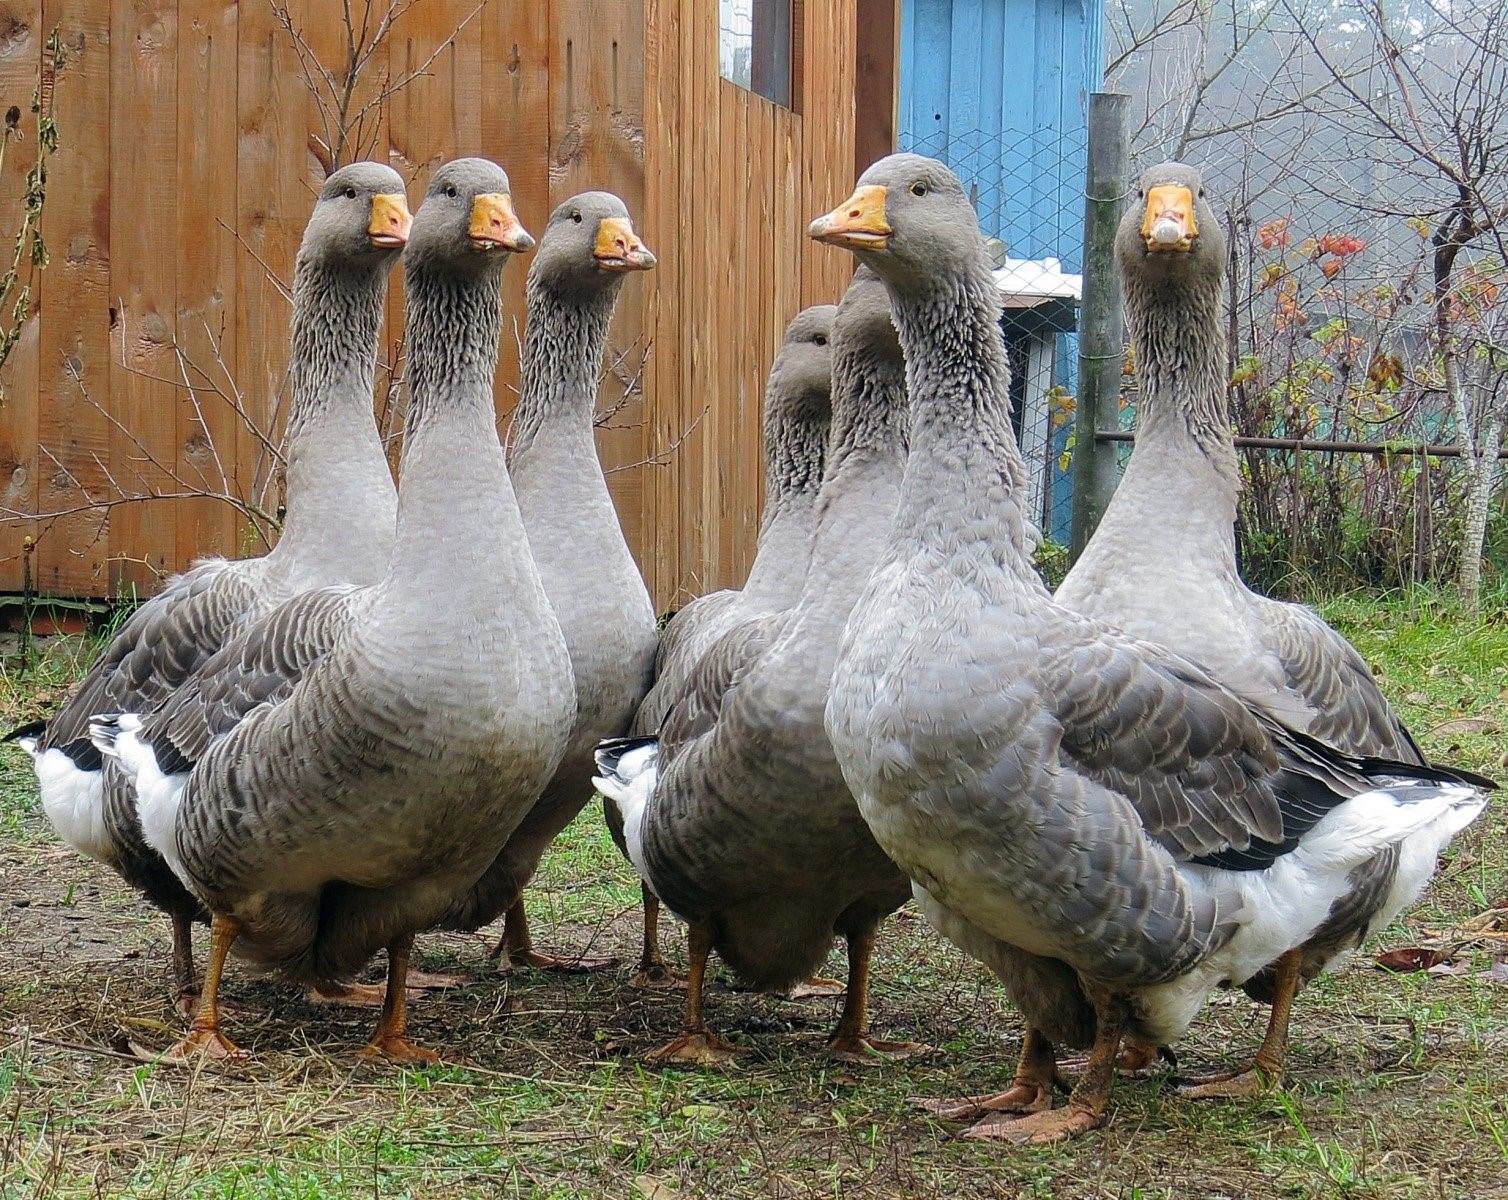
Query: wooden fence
point(184, 176)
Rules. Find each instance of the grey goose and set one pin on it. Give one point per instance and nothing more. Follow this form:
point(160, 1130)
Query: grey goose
point(594, 586)
point(338, 527)
point(339, 776)
point(738, 816)
point(1086, 799)
point(796, 418)
point(1162, 565)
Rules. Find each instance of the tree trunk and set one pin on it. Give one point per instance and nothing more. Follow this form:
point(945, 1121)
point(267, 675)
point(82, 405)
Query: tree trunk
point(1481, 477)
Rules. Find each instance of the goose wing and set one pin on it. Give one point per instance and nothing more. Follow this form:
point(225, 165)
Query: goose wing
point(260, 667)
point(682, 642)
point(163, 643)
point(1347, 707)
point(716, 676)
point(1214, 779)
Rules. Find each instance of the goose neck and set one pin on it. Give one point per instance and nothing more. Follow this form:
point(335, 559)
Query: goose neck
point(458, 521)
point(337, 471)
point(1181, 366)
point(562, 363)
point(870, 420)
point(795, 455)
point(965, 480)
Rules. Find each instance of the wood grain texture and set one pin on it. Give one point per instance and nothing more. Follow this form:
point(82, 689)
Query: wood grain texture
point(21, 39)
point(74, 342)
point(209, 95)
point(207, 428)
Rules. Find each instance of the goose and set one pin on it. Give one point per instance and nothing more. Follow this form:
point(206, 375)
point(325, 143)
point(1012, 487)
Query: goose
point(738, 817)
point(797, 414)
point(1066, 794)
point(341, 774)
point(338, 527)
point(593, 583)
point(1162, 564)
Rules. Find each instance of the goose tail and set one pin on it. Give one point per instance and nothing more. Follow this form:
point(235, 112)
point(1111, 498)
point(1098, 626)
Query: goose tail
point(28, 736)
point(158, 794)
point(628, 769)
point(1410, 807)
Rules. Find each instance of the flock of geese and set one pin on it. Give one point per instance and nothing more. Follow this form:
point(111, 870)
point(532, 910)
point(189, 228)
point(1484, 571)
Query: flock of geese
point(1119, 797)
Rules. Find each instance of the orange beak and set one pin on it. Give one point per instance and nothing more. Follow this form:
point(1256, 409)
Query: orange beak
point(858, 223)
point(494, 225)
point(390, 222)
point(618, 247)
point(1168, 226)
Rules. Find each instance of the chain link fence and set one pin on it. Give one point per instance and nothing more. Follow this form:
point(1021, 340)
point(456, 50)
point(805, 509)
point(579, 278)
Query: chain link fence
point(1028, 188)
point(1335, 377)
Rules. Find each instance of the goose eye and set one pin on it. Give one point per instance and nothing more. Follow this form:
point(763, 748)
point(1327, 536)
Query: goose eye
point(350, 193)
point(1201, 193)
point(820, 340)
point(450, 190)
point(576, 216)
point(918, 188)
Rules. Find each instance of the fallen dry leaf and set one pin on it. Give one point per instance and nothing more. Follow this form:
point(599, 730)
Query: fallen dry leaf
point(1411, 958)
point(1463, 725)
point(650, 1188)
point(1498, 972)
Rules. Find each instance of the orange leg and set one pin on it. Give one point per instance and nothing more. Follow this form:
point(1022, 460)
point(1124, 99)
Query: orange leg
point(1266, 1072)
point(204, 1036)
point(517, 948)
point(1086, 1105)
point(850, 1040)
point(390, 1041)
point(1030, 1090)
point(654, 971)
point(696, 1044)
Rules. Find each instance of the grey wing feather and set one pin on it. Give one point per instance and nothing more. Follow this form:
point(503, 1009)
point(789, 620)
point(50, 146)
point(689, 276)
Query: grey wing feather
point(1191, 757)
point(1215, 780)
point(261, 666)
point(696, 709)
point(162, 644)
point(1349, 708)
point(681, 645)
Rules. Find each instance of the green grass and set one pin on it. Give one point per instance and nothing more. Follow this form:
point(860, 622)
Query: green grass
point(1397, 1089)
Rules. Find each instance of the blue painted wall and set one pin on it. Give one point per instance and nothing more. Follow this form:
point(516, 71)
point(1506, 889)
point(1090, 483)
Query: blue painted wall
point(998, 89)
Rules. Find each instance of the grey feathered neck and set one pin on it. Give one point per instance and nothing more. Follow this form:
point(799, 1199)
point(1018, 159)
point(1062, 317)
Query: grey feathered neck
point(870, 418)
point(337, 309)
point(795, 441)
point(453, 332)
point(562, 358)
point(1181, 363)
point(964, 455)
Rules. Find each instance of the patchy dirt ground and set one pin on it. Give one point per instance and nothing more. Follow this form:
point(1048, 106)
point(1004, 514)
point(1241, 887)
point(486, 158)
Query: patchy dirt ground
point(1399, 1084)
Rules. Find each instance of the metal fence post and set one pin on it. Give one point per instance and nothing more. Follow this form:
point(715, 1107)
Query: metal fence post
point(1101, 337)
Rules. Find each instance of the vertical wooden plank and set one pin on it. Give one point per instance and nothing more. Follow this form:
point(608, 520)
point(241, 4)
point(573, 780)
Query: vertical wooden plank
point(74, 342)
point(876, 52)
point(597, 141)
point(515, 131)
point(21, 39)
point(271, 208)
point(207, 426)
point(145, 247)
point(730, 161)
point(699, 198)
point(664, 161)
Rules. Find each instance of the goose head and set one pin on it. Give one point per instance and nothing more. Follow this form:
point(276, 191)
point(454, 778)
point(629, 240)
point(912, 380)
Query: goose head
point(467, 220)
point(589, 245)
point(361, 215)
point(1169, 232)
point(910, 220)
point(801, 377)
